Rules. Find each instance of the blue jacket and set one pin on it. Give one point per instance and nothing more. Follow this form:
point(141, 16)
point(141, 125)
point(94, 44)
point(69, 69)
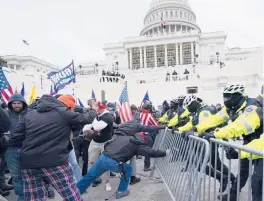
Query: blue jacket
point(15, 117)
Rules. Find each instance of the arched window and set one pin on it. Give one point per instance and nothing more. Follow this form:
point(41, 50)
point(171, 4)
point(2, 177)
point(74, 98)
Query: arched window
point(184, 15)
point(161, 14)
point(180, 14)
point(167, 15)
point(176, 13)
point(171, 14)
point(153, 17)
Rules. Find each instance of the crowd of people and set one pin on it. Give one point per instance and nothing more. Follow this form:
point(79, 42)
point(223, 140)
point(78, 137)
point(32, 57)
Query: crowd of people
point(41, 144)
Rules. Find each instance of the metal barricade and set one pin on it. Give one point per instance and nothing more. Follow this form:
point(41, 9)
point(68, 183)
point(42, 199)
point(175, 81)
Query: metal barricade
point(232, 180)
point(182, 171)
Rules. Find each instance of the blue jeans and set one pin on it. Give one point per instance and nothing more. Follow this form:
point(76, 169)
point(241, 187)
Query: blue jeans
point(75, 165)
point(101, 165)
point(2, 171)
point(12, 157)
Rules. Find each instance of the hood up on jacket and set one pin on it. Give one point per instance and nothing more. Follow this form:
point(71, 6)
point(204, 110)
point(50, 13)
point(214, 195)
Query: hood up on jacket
point(47, 103)
point(17, 97)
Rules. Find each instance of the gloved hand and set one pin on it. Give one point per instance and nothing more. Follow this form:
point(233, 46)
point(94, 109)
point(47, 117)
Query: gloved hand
point(187, 134)
point(207, 136)
point(231, 154)
point(167, 152)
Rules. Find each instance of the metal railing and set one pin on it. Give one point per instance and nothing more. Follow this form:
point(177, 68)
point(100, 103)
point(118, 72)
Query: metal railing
point(199, 170)
point(182, 171)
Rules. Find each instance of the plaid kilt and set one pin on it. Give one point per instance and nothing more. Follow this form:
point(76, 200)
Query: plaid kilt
point(60, 177)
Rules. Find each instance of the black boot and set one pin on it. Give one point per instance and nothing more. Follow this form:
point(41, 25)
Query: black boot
point(4, 193)
point(134, 180)
point(6, 187)
point(233, 196)
point(97, 182)
point(146, 169)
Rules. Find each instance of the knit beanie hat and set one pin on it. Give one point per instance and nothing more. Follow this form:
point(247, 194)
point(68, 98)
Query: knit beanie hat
point(68, 100)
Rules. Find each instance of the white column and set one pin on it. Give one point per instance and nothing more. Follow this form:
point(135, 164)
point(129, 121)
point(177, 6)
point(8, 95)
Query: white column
point(177, 52)
point(145, 57)
point(155, 56)
point(141, 61)
point(130, 56)
point(181, 58)
point(166, 55)
point(126, 57)
point(192, 53)
point(14, 66)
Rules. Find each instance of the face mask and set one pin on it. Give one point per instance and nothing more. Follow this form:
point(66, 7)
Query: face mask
point(232, 101)
point(193, 107)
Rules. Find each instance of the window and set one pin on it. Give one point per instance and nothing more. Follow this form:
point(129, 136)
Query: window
point(192, 90)
point(180, 14)
point(176, 13)
point(150, 57)
point(135, 58)
point(171, 14)
point(160, 55)
point(167, 15)
point(161, 14)
point(171, 52)
point(186, 53)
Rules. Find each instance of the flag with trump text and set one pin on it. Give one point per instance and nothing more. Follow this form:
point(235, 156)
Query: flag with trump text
point(124, 107)
point(63, 77)
point(5, 88)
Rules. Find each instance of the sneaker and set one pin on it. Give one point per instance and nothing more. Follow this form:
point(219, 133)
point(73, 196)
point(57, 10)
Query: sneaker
point(119, 195)
point(108, 186)
point(134, 180)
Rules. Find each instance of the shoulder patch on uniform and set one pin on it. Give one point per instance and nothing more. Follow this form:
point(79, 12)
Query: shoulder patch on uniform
point(206, 114)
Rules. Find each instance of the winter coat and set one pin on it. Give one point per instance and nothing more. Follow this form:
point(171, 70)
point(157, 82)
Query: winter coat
point(5, 126)
point(45, 133)
point(15, 117)
point(123, 148)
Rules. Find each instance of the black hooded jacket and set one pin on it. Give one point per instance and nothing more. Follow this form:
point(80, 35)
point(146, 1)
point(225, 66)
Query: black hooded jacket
point(5, 124)
point(45, 133)
point(126, 143)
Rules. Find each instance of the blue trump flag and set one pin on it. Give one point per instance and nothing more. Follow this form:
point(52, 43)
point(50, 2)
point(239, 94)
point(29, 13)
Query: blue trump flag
point(63, 77)
point(23, 90)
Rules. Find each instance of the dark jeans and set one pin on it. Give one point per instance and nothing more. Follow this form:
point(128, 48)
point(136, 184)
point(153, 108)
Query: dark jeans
point(3, 168)
point(149, 142)
point(12, 157)
point(101, 165)
point(85, 147)
point(257, 179)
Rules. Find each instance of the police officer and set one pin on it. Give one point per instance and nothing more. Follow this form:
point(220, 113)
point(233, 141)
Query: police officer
point(246, 125)
point(236, 104)
point(200, 113)
point(168, 116)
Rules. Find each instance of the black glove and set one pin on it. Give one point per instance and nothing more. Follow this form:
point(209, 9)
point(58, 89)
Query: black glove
point(207, 136)
point(187, 134)
point(231, 154)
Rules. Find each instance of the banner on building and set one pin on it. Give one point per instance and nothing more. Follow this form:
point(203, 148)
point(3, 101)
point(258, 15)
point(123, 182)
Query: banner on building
point(63, 77)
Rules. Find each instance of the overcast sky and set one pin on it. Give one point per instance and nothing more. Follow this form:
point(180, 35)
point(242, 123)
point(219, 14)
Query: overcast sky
point(61, 30)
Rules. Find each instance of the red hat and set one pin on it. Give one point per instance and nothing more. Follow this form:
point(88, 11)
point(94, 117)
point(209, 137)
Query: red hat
point(100, 106)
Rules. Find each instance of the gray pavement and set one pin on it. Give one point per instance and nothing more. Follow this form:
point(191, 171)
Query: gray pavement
point(146, 190)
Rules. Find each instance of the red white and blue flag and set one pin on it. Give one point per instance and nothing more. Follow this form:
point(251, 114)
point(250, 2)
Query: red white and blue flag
point(5, 88)
point(124, 107)
point(93, 95)
point(145, 99)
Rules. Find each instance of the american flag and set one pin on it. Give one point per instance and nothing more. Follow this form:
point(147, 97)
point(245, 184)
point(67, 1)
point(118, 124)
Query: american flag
point(146, 98)
point(5, 88)
point(93, 95)
point(147, 119)
point(124, 107)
